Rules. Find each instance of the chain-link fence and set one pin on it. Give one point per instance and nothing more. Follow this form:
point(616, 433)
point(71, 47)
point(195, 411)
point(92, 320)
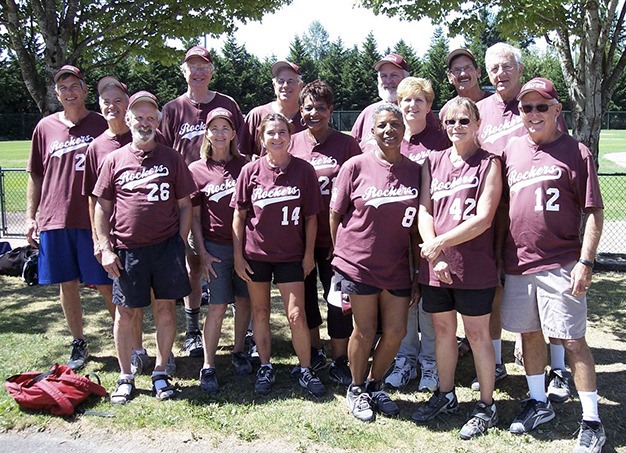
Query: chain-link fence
point(13, 183)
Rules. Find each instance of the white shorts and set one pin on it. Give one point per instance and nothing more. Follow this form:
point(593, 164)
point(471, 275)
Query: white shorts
point(544, 301)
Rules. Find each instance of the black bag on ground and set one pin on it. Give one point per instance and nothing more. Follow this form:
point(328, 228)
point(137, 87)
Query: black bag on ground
point(12, 262)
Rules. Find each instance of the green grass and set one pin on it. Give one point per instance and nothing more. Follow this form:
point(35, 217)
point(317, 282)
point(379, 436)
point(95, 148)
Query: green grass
point(14, 154)
point(33, 334)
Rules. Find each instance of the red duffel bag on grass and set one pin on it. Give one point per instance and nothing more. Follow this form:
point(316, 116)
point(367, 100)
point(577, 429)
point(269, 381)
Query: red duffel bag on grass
point(58, 391)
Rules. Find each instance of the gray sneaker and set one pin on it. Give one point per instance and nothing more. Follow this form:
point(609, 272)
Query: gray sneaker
point(79, 354)
point(241, 363)
point(439, 403)
point(500, 374)
point(534, 414)
point(558, 386)
point(264, 379)
point(360, 403)
point(429, 380)
point(591, 437)
point(311, 382)
point(403, 372)
point(139, 362)
point(208, 381)
point(483, 418)
point(170, 366)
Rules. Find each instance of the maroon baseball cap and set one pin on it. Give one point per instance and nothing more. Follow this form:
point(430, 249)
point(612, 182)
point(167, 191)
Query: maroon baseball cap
point(220, 112)
point(457, 53)
point(394, 59)
point(198, 51)
point(542, 86)
point(143, 96)
point(282, 64)
point(110, 81)
point(68, 69)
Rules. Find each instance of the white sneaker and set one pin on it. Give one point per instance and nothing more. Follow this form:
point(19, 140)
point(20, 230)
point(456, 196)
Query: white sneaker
point(429, 380)
point(403, 373)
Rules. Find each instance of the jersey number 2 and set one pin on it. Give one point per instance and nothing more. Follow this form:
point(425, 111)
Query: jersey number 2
point(158, 192)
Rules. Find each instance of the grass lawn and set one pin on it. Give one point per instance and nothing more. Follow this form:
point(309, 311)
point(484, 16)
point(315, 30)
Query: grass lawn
point(34, 335)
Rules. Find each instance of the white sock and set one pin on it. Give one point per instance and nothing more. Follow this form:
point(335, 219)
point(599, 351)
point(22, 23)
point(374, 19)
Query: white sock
point(140, 351)
point(537, 387)
point(130, 377)
point(497, 347)
point(557, 356)
point(589, 402)
point(267, 364)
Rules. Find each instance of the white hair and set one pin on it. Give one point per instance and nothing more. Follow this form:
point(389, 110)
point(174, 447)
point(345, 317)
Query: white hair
point(502, 48)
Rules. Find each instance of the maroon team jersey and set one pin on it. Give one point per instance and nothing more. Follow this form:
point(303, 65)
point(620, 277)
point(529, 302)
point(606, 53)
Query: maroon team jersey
point(57, 155)
point(454, 193)
point(248, 144)
point(326, 158)
point(98, 150)
point(500, 121)
point(549, 186)
point(277, 203)
point(378, 203)
point(183, 123)
point(432, 138)
point(216, 188)
point(145, 189)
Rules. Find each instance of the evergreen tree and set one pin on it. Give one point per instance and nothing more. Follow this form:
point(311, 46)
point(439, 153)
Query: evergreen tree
point(331, 70)
point(435, 69)
point(412, 60)
point(315, 41)
point(298, 55)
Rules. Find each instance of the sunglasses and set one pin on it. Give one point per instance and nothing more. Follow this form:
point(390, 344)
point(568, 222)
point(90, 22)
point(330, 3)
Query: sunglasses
point(542, 108)
point(461, 121)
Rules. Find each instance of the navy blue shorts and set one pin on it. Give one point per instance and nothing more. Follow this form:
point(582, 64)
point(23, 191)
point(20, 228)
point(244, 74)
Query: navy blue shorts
point(282, 272)
point(468, 302)
point(66, 255)
point(349, 286)
point(160, 267)
point(227, 285)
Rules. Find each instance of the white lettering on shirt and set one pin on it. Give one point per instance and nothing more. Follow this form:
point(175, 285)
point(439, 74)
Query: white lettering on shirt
point(441, 189)
point(262, 198)
point(518, 180)
point(492, 132)
point(57, 149)
point(323, 162)
point(131, 179)
point(215, 192)
point(378, 197)
point(188, 131)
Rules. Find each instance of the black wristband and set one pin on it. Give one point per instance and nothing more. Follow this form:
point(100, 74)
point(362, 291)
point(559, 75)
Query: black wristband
point(585, 262)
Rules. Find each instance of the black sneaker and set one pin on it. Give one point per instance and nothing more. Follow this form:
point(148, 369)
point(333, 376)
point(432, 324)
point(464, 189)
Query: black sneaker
point(241, 363)
point(79, 354)
point(250, 348)
point(360, 403)
point(534, 414)
point(439, 403)
point(501, 373)
point(318, 359)
point(558, 386)
point(311, 382)
point(483, 418)
point(208, 381)
point(339, 371)
point(193, 344)
point(591, 437)
point(264, 380)
point(384, 404)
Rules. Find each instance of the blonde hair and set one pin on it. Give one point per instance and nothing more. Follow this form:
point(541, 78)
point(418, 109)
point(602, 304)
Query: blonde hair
point(416, 85)
point(462, 104)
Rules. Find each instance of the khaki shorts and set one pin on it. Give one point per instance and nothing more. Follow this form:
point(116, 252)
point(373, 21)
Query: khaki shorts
point(543, 301)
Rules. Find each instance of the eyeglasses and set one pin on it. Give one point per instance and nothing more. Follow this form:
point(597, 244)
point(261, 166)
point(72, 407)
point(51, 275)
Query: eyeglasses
point(288, 82)
point(542, 108)
point(504, 67)
point(457, 71)
point(461, 121)
point(199, 67)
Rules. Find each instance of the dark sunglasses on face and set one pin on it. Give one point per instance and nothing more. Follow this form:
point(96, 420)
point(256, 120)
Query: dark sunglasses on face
point(461, 121)
point(542, 108)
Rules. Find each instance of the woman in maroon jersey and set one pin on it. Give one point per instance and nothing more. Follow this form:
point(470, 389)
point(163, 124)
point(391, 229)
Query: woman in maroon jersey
point(373, 222)
point(215, 175)
point(277, 199)
point(461, 189)
point(326, 149)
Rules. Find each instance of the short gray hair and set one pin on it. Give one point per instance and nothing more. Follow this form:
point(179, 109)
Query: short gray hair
point(502, 48)
point(388, 107)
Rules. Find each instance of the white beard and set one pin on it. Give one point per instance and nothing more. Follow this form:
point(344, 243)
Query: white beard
point(387, 95)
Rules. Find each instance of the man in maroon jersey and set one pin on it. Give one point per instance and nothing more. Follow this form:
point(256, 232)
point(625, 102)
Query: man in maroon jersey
point(143, 218)
point(183, 125)
point(287, 83)
point(392, 69)
point(55, 166)
point(552, 187)
point(464, 73)
point(113, 101)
